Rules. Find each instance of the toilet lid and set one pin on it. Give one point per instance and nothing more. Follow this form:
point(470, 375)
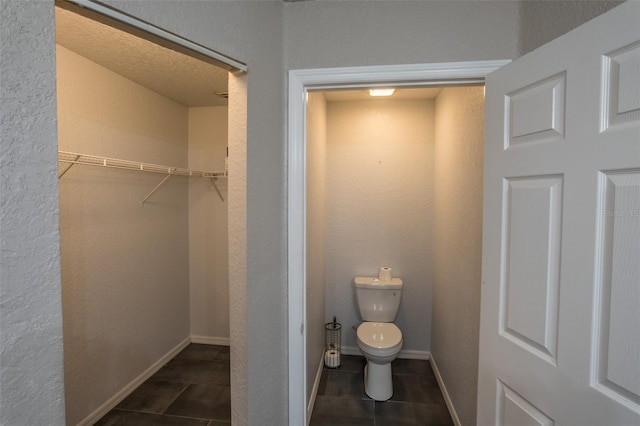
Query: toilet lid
point(379, 334)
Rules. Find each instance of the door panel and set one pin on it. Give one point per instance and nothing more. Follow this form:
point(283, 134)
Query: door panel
point(529, 309)
point(560, 316)
point(621, 85)
point(617, 353)
point(513, 409)
point(536, 112)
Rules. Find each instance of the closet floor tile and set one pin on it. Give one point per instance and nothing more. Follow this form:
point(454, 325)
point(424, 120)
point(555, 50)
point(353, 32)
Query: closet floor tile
point(195, 371)
point(191, 390)
point(203, 401)
point(224, 354)
point(200, 352)
point(152, 397)
point(126, 418)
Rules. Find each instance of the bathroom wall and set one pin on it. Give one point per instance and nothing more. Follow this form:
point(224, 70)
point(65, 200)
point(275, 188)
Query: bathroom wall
point(459, 135)
point(208, 249)
point(125, 266)
point(316, 225)
point(380, 208)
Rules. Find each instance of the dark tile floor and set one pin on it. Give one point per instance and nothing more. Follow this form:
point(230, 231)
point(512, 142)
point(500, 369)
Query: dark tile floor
point(192, 389)
point(416, 399)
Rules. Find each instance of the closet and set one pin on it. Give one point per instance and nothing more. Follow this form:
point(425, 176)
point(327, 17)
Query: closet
point(142, 133)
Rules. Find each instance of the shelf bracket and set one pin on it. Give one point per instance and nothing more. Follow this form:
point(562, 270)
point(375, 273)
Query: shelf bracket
point(215, 185)
point(157, 187)
point(70, 166)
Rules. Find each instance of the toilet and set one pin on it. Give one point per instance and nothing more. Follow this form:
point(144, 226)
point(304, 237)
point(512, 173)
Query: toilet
point(379, 340)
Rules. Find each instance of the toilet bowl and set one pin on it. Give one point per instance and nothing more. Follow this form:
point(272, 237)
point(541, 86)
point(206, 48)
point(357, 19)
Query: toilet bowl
point(379, 339)
point(380, 343)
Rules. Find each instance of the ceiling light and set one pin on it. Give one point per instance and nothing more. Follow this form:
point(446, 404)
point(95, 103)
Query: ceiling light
point(381, 92)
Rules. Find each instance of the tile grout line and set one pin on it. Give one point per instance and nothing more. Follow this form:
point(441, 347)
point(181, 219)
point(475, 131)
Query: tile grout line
point(176, 398)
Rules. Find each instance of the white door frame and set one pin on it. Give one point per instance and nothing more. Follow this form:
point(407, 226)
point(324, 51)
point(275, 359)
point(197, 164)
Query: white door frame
point(300, 81)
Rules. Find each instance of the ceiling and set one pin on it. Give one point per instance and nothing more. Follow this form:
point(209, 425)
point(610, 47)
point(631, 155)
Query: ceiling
point(186, 80)
point(183, 78)
point(424, 93)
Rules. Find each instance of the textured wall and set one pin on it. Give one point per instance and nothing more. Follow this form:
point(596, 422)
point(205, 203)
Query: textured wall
point(31, 375)
point(208, 244)
point(316, 201)
point(542, 21)
point(459, 135)
point(350, 33)
point(125, 267)
point(379, 208)
point(237, 222)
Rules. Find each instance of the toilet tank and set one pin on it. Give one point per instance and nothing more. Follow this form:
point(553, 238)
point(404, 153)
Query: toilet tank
point(378, 301)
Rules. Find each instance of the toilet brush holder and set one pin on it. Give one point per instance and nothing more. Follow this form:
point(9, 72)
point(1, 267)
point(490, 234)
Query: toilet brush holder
point(333, 338)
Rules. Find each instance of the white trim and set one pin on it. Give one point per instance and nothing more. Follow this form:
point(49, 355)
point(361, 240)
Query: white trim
point(296, 230)
point(411, 354)
point(326, 78)
point(445, 394)
point(111, 403)
point(404, 354)
point(414, 75)
point(208, 340)
point(350, 350)
point(314, 390)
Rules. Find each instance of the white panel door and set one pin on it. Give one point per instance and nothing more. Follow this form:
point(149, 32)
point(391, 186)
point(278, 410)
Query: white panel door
point(560, 317)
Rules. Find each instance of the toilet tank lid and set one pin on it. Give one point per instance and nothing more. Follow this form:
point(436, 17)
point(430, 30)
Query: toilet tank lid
point(374, 282)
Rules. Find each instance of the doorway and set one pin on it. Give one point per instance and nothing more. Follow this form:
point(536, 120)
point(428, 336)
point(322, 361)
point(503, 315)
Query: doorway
point(144, 255)
point(300, 82)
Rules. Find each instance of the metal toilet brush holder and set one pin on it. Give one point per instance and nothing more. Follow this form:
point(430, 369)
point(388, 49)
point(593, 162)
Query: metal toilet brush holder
point(333, 339)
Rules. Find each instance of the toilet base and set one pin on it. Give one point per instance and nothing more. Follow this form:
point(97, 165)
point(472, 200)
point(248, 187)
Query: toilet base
point(377, 381)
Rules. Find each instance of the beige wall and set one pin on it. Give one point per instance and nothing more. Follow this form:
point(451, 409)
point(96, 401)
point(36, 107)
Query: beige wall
point(125, 267)
point(208, 251)
point(316, 225)
point(459, 135)
point(379, 208)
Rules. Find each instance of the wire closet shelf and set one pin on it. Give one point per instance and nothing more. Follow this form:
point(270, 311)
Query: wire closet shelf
point(74, 158)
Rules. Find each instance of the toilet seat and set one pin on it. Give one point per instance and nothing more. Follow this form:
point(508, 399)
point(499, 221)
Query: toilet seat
point(379, 336)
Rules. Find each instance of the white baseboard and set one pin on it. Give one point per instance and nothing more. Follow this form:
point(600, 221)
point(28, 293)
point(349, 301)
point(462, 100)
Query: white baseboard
point(207, 340)
point(445, 394)
point(410, 354)
point(314, 390)
point(126, 391)
point(404, 354)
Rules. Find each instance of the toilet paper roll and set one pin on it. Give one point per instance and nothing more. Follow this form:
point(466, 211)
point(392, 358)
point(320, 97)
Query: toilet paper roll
point(332, 358)
point(384, 274)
